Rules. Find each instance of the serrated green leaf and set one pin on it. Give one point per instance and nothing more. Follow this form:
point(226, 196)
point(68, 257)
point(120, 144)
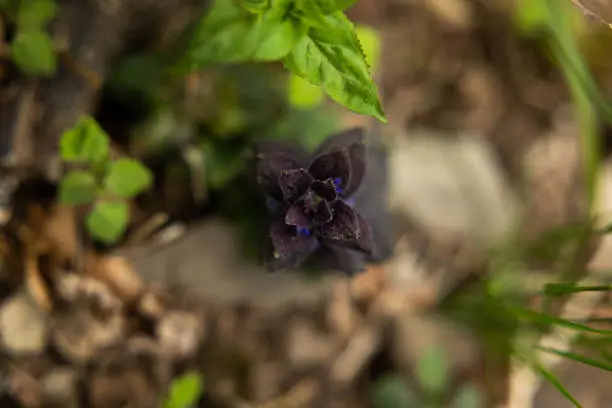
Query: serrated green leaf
point(392, 392)
point(432, 370)
point(332, 57)
point(127, 178)
point(108, 220)
point(231, 34)
point(33, 52)
point(77, 187)
point(86, 142)
point(185, 391)
point(370, 42)
point(34, 14)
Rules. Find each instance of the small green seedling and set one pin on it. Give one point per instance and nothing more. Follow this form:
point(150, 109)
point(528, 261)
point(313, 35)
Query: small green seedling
point(32, 48)
point(104, 183)
point(185, 391)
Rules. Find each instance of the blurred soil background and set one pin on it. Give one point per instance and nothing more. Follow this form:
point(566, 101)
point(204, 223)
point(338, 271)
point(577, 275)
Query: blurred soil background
point(478, 179)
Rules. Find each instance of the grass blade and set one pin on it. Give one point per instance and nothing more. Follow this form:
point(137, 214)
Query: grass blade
point(543, 318)
point(550, 377)
point(560, 289)
point(578, 358)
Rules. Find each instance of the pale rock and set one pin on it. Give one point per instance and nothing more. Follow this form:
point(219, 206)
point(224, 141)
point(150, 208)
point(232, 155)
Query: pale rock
point(23, 326)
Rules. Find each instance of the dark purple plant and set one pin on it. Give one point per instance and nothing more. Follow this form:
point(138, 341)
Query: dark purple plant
point(310, 197)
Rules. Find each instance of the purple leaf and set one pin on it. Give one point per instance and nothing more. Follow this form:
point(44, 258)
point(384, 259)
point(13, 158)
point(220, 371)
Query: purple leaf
point(286, 241)
point(348, 229)
point(296, 216)
point(271, 159)
point(352, 141)
point(334, 165)
point(294, 183)
point(365, 241)
point(325, 189)
point(344, 225)
point(341, 140)
point(321, 213)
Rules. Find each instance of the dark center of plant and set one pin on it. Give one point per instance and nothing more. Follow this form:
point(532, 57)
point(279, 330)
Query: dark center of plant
point(338, 185)
point(302, 232)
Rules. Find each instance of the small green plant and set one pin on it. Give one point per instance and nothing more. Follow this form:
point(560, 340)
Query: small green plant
point(31, 49)
point(104, 183)
point(313, 38)
point(185, 391)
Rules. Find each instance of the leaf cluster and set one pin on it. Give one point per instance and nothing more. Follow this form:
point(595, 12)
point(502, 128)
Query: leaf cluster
point(105, 183)
point(312, 38)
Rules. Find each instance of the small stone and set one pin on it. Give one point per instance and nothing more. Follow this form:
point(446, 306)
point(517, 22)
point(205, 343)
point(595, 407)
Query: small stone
point(119, 274)
point(151, 305)
point(59, 387)
point(180, 333)
point(23, 326)
point(75, 288)
point(78, 336)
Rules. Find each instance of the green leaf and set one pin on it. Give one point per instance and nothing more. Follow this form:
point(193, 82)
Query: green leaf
point(107, 220)
point(370, 42)
point(185, 391)
point(33, 52)
point(554, 381)
point(330, 55)
point(231, 34)
point(432, 370)
point(222, 36)
point(77, 187)
point(34, 14)
point(256, 6)
point(276, 37)
point(392, 392)
point(85, 142)
point(325, 6)
point(127, 178)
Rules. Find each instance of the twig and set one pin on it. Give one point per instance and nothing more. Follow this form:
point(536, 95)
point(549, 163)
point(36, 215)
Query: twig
point(590, 13)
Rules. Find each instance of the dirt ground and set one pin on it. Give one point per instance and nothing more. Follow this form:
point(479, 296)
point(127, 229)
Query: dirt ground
point(481, 137)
